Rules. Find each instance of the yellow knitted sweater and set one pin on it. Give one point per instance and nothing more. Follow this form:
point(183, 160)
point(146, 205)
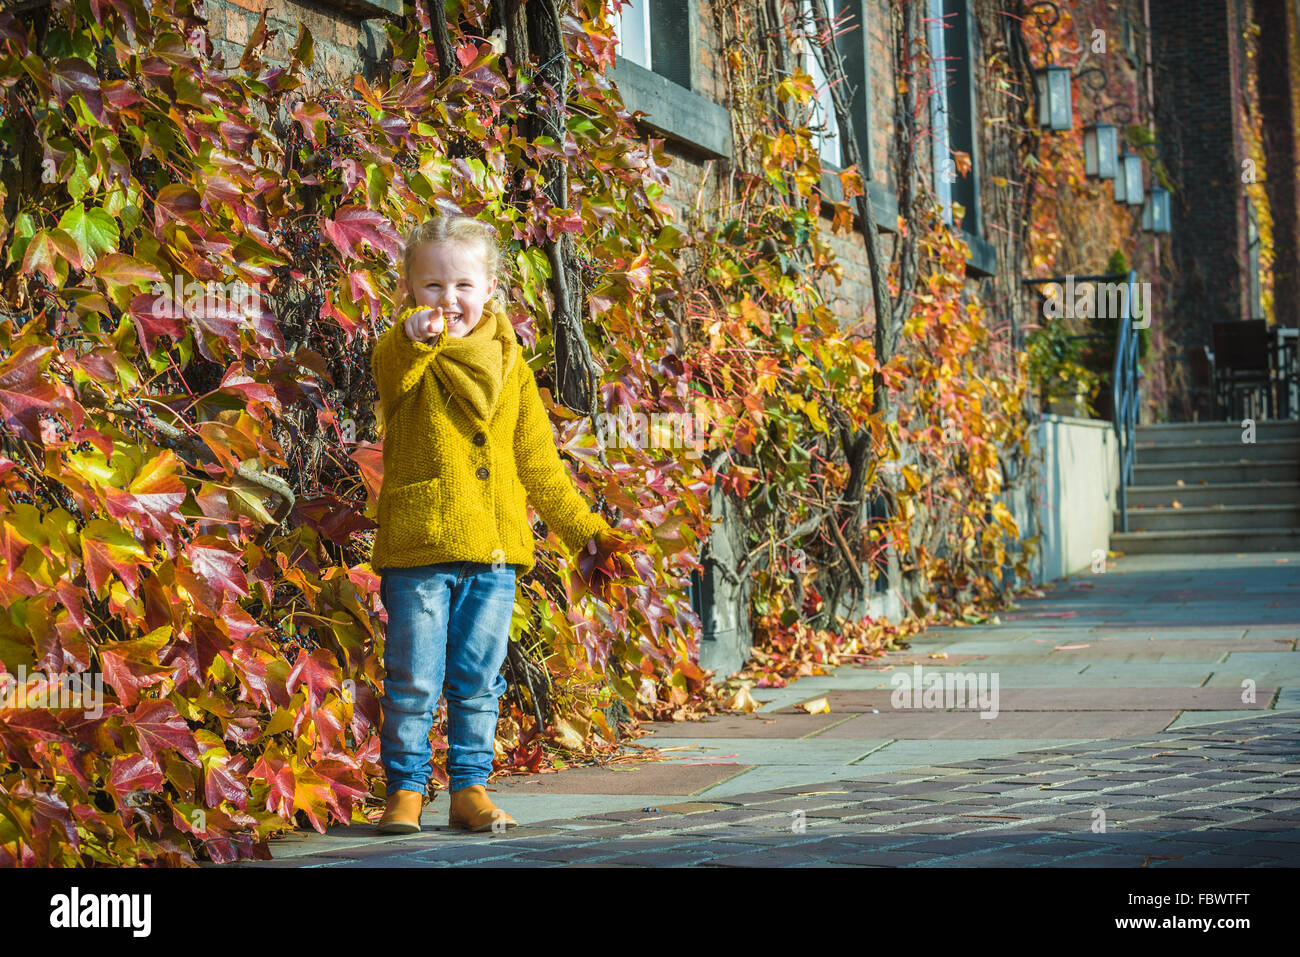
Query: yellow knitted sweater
point(455, 486)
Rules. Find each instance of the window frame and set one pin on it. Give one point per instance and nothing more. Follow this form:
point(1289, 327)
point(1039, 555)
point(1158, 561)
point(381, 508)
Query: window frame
point(854, 50)
point(957, 13)
point(671, 107)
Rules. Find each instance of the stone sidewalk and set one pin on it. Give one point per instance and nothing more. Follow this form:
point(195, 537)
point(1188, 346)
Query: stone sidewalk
point(1148, 716)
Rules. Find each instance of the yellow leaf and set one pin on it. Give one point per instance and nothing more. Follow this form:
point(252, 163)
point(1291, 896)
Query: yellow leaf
point(568, 735)
point(282, 720)
point(817, 706)
point(742, 700)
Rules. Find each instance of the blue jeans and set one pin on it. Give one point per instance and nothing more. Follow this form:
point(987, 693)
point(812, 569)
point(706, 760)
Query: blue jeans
point(449, 620)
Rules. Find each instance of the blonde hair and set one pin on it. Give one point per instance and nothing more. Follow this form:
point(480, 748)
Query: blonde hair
point(464, 229)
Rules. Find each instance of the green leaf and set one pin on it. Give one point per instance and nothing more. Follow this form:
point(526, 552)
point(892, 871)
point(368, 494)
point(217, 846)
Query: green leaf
point(305, 48)
point(79, 181)
point(95, 231)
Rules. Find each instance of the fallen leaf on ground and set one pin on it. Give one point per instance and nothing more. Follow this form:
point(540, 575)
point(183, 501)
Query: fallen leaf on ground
point(742, 700)
point(817, 706)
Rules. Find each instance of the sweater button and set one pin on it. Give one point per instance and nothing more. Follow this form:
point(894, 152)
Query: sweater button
point(480, 438)
point(482, 472)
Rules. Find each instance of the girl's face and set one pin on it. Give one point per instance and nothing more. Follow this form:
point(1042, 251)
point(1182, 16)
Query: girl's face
point(453, 276)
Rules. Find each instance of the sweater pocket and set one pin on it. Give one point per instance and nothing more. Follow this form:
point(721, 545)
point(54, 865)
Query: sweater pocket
point(413, 515)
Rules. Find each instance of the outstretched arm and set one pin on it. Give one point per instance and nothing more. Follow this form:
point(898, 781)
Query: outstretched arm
point(398, 363)
point(544, 475)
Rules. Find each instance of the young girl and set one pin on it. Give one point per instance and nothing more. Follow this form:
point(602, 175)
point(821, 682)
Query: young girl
point(466, 441)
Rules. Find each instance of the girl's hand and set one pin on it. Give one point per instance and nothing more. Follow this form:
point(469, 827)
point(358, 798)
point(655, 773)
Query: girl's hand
point(601, 560)
point(424, 324)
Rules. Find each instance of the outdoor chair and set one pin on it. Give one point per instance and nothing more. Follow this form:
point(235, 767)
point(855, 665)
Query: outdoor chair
point(1241, 368)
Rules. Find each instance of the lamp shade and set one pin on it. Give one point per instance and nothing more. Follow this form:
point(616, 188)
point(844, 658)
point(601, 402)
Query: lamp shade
point(1055, 107)
point(1130, 169)
point(1101, 150)
point(1155, 214)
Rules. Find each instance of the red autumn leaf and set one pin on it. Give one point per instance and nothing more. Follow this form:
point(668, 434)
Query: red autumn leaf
point(129, 676)
point(38, 724)
point(314, 121)
point(331, 517)
point(274, 769)
point(133, 772)
point(160, 727)
point(638, 273)
point(319, 671)
point(354, 225)
point(75, 76)
point(40, 257)
point(153, 497)
point(24, 390)
point(176, 201)
point(370, 460)
point(107, 550)
point(223, 780)
point(345, 786)
point(219, 563)
point(157, 316)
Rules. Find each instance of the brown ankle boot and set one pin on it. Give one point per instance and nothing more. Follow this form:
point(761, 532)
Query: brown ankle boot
point(472, 810)
point(402, 813)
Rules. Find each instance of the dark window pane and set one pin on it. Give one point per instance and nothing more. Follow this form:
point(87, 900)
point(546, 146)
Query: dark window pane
point(670, 40)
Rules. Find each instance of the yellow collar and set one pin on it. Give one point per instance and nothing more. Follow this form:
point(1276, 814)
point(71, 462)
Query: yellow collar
point(474, 367)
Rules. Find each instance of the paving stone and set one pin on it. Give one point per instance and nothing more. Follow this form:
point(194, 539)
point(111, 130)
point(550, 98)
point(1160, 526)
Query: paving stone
point(926, 725)
point(651, 777)
point(680, 857)
point(569, 855)
point(880, 858)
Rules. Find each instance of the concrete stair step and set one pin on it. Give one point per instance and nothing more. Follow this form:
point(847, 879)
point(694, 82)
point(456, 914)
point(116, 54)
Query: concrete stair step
point(1213, 518)
point(1227, 493)
point(1165, 453)
point(1213, 472)
point(1201, 540)
point(1181, 433)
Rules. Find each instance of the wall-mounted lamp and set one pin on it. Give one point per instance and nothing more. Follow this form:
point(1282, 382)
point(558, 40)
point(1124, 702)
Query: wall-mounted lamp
point(1100, 138)
point(1055, 108)
point(1101, 150)
point(1155, 213)
point(1055, 101)
point(1128, 180)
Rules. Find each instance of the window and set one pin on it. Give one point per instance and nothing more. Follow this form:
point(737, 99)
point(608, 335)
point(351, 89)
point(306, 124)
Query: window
point(657, 35)
point(653, 74)
point(632, 27)
point(824, 124)
point(952, 109)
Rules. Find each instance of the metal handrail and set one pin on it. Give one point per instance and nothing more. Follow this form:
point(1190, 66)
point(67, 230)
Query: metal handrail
point(1124, 399)
point(1124, 380)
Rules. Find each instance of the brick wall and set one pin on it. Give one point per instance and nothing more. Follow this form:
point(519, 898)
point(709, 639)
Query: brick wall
point(1196, 59)
point(348, 37)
